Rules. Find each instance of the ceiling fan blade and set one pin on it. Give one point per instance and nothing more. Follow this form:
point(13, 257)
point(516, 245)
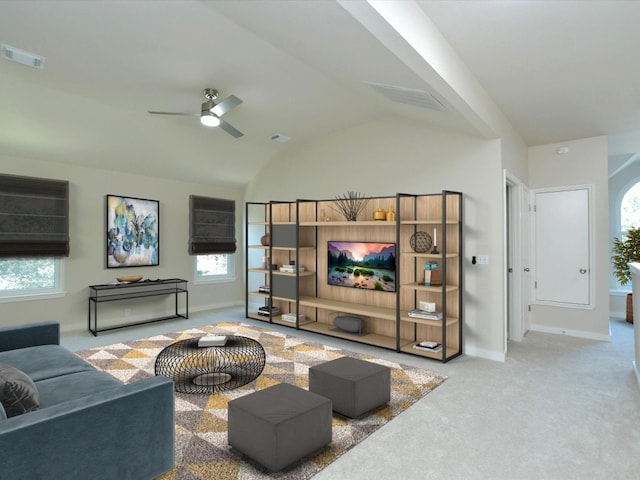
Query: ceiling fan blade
point(174, 113)
point(225, 105)
point(231, 130)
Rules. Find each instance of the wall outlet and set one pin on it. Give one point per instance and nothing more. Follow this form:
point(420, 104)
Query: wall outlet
point(482, 259)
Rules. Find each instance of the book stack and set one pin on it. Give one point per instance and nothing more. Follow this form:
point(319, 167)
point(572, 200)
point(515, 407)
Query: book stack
point(428, 346)
point(212, 341)
point(291, 268)
point(265, 311)
point(417, 313)
point(291, 317)
point(264, 289)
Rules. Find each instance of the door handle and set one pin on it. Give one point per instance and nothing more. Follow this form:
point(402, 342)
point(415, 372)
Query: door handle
point(583, 271)
point(526, 269)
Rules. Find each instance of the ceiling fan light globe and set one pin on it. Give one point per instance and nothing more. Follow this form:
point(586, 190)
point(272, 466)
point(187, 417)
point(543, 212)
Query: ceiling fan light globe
point(209, 120)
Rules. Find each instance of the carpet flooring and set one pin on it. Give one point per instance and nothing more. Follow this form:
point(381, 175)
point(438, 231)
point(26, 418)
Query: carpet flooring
point(202, 452)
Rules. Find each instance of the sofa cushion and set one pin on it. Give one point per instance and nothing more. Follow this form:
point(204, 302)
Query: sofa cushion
point(18, 393)
point(45, 361)
point(72, 386)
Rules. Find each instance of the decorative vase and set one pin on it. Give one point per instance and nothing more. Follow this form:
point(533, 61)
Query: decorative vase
point(391, 214)
point(265, 239)
point(380, 214)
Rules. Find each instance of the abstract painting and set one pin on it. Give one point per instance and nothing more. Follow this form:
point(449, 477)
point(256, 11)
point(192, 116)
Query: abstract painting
point(133, 232)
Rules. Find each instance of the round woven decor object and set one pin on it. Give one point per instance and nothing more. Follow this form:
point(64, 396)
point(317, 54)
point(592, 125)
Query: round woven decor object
point(421, 242)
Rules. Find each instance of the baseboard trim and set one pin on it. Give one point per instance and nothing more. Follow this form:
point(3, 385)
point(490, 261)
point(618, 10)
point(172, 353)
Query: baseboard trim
point(82, 326)
point(619, 293)
point(486, 354)
point(572, 333)
point(216, 306)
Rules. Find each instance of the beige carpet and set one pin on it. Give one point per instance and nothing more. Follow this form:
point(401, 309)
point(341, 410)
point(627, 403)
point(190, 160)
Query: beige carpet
point(202, 452)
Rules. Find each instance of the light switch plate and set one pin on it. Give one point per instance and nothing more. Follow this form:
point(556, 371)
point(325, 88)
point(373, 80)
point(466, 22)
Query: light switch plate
point(482, 259)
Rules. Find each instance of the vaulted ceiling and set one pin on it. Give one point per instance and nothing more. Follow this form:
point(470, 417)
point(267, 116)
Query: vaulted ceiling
point(557, 70)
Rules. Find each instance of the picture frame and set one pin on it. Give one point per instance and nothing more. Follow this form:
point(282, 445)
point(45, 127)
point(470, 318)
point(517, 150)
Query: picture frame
point(132, 232)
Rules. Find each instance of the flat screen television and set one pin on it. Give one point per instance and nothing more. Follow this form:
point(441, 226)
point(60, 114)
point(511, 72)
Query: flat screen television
point(364, 265)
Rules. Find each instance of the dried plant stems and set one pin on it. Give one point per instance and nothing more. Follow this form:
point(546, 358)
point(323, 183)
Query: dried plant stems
point(350, 205)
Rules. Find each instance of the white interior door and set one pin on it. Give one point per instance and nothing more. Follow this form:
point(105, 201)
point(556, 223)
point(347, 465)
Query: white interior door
point(526, 260)
point(562, 246)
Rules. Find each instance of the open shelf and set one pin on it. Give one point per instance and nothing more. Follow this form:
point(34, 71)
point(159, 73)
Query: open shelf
point(449, 321)
point(408, 348)
point(342, 223)
point(348, 307)
point(434, 289)
point(368, 338)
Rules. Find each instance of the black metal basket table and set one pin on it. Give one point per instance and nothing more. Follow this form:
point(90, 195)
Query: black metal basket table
point(211, 369)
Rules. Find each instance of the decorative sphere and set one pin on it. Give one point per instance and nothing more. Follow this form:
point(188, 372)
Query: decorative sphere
point(421, 242)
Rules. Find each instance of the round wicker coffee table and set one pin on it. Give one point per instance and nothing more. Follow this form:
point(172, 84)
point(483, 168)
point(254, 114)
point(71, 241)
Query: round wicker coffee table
point(211, 369)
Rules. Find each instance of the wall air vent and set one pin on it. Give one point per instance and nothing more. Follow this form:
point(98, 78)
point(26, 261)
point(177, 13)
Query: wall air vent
point(408, 96)
point(21, 56)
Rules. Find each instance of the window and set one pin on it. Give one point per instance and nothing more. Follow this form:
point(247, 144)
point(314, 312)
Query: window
point(34, 214)
point(630, 209)
point(34, 235)
point(212, 225)
point(30, 277)
point(212, 239)
point(219, 267)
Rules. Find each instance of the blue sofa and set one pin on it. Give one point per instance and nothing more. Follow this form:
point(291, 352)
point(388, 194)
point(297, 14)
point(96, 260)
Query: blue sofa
point(89, 425)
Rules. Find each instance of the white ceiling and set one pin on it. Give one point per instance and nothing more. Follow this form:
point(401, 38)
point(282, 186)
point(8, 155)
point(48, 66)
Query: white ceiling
point(558, 70)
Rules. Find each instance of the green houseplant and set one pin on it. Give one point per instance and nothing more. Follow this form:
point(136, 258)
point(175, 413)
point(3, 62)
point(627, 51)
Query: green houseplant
point(625, 250)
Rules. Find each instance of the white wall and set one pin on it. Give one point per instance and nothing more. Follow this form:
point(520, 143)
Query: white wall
point(86, 263)
point(586, 163)
point(394, 155)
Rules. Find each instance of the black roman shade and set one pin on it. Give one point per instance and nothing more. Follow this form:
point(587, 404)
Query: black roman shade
point(34, 217)
point(212, 226)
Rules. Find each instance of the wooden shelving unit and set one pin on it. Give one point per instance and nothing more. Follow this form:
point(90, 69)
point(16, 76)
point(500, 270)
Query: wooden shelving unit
point(300, 231)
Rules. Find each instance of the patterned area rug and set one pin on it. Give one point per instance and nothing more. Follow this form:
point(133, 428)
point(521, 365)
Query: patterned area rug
point(202, 452)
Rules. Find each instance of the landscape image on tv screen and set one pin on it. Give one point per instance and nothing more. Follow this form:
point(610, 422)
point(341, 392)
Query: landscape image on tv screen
point(365, 265)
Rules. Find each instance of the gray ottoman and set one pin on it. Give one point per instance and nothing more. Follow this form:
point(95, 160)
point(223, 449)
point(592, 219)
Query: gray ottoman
point(354, 386)
point(279, 425)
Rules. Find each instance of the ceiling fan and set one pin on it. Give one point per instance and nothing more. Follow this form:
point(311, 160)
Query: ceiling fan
point(210, 112)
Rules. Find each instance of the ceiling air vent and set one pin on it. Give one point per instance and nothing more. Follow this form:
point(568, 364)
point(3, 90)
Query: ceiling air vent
point(278, 137)
point(408, 96)
point(21, 56)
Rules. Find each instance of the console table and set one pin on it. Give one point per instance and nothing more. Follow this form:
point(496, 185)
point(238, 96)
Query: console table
point(119, 291)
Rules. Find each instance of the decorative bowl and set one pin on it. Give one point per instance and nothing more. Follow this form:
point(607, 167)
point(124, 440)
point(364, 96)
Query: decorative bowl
point(129, 279)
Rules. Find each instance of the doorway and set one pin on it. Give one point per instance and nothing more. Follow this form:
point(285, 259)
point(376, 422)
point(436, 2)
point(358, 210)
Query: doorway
point(517, 279)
